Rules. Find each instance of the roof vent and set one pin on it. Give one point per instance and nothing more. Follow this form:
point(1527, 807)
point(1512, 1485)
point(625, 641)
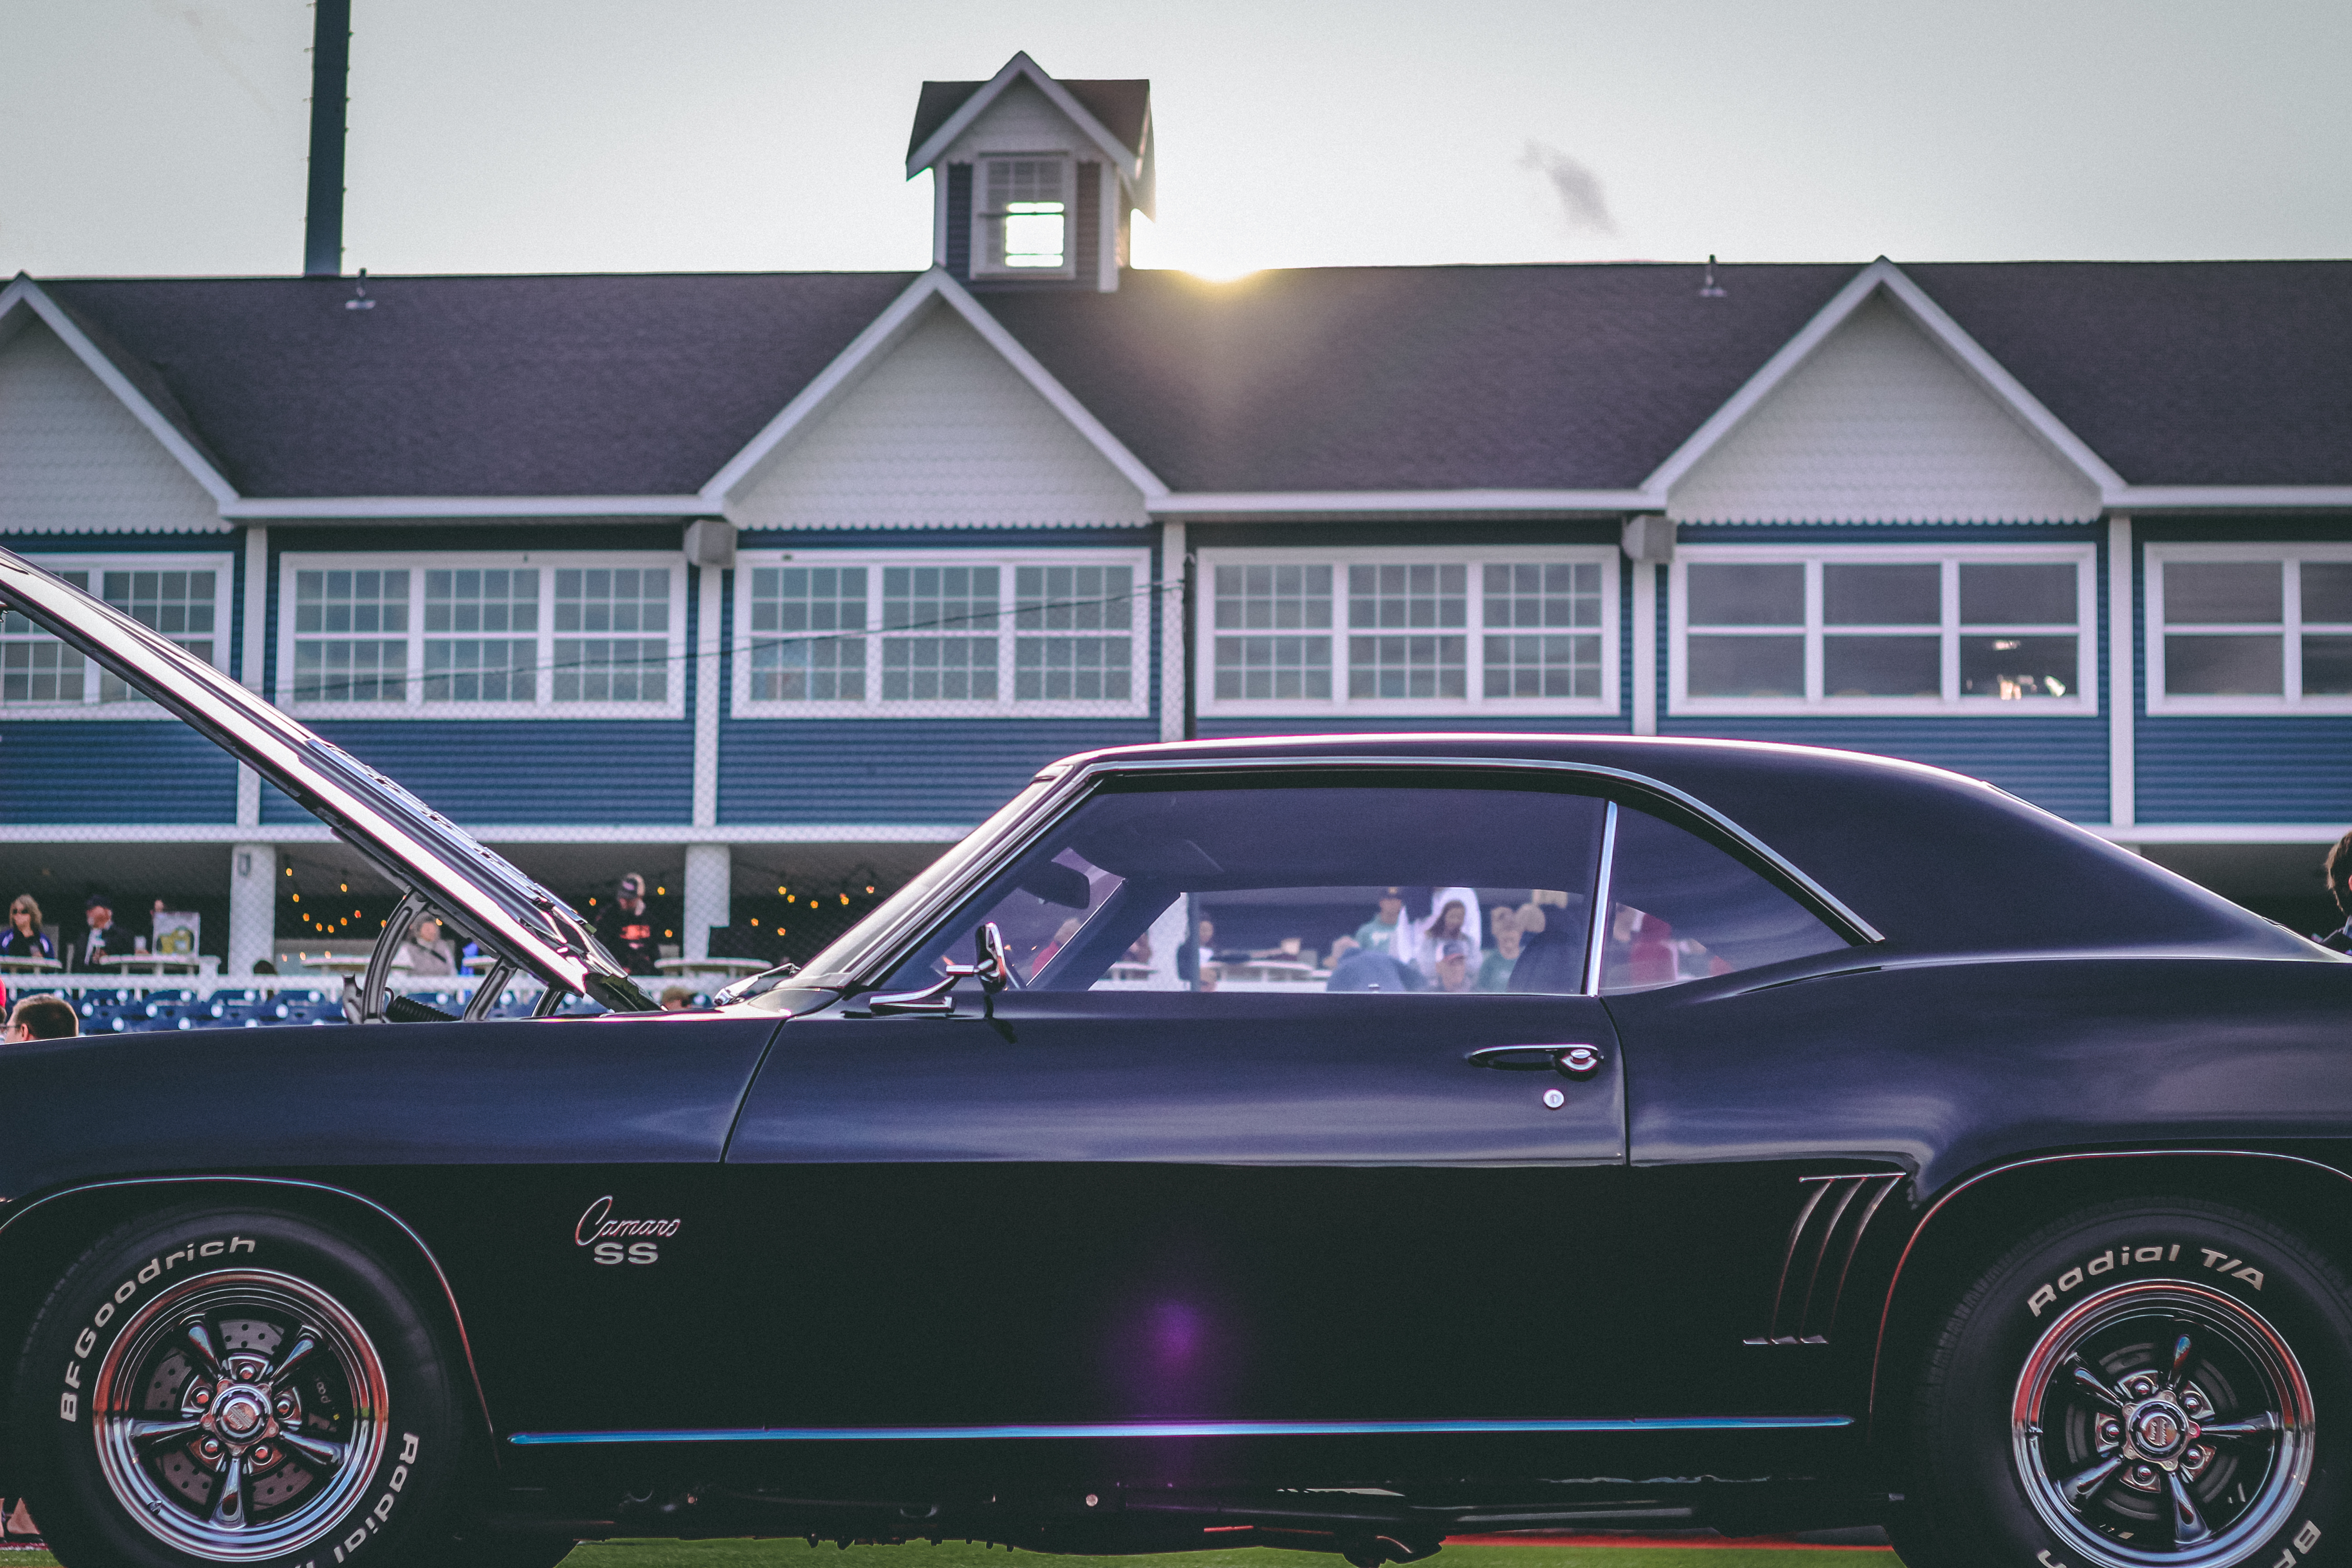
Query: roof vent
point(1710, 288)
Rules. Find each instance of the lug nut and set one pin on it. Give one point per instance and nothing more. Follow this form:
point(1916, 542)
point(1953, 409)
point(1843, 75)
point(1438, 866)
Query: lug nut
point(263, 1454)
point(203, 1396)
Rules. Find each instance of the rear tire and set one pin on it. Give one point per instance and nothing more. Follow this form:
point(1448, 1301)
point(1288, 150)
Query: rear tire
point(2142, 1385)
point(215, 1384)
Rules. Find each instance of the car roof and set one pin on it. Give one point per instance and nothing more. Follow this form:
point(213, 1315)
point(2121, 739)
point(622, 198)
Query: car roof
point(1934, 860)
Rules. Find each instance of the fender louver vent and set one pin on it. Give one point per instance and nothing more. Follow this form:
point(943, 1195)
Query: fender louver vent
point(1829, 1226)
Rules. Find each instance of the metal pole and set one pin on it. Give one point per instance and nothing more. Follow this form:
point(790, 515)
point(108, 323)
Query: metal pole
point(331, 69)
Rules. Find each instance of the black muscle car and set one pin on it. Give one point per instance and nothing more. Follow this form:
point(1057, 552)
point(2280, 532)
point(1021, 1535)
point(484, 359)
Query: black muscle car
point(1338, 1142)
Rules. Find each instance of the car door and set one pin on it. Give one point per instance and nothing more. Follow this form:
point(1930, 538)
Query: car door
point(1169, 1173)
point(1721, 976)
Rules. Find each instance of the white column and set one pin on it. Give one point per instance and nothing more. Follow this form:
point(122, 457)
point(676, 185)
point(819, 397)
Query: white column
point(2123, 660)
point(253, 658)
point(708, 895)
point(707, 674)
point(1646, 648)
point(252, 905)
point(1171, 631)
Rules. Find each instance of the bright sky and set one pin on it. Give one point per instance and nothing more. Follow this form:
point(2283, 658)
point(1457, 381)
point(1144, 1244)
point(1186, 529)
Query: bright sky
point(169, 136)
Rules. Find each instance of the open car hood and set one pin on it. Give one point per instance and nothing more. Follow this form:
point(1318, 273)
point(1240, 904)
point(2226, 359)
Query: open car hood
point(414, 846)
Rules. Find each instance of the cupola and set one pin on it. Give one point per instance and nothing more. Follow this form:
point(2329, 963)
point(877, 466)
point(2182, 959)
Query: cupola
point(1034, 179)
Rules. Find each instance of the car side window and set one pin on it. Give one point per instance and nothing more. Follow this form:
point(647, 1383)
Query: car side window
point(1681, 907)
point(1448, 885)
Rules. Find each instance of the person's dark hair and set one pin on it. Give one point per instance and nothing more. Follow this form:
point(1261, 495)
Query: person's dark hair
point(263, 966)
point(47, 1018)
point(2338, 869)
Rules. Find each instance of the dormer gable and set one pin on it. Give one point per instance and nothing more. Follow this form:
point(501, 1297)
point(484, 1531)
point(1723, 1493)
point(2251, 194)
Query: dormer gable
point(1034, 180)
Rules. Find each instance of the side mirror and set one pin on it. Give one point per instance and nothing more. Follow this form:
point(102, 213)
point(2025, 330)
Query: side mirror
point(991, 965)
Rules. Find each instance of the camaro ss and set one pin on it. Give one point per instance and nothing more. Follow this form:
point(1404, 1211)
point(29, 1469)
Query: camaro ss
point(1337, 1143)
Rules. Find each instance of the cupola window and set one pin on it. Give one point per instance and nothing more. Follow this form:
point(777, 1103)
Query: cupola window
point(1025, 215)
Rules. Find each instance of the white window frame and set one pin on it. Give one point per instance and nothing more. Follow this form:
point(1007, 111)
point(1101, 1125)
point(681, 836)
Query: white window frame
point(221, 563)
point(546, 563)
point(2084, 701)
point(2289, 628)
point(1474, 700)
point(987, 235)
point(1008, 564)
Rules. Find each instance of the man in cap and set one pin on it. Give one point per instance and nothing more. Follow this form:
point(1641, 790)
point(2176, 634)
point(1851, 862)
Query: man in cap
point(105, 939)
point(626, 930)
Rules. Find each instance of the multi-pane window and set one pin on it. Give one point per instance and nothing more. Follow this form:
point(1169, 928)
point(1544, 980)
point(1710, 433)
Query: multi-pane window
point(479, 641)
point(1430, 628)
point(612, 634)
point(36, 667)
point(1086, 614)
point(1553, 661)
point(2237, 630)
point(933, 613)
point(1890, 629)
point(804, 626)
point(1260, 613)
point(185, 603)
point(351, 641)
point(1024, 215)
point(899, 634)
point(1414, 614)
point(396, 634)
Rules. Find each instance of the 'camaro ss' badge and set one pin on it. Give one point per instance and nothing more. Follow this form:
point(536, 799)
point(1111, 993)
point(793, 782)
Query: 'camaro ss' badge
point(598, 1228)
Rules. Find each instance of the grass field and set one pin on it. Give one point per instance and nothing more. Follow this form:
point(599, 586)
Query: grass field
point(957, 1555)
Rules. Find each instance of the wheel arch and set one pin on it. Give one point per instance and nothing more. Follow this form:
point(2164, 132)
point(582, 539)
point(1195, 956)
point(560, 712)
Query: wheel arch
point(1972, 1221)
point(41, 1236)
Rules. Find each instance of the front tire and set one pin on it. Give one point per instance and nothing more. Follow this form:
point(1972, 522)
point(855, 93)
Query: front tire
point(2142, 1385)
point(236, 1385)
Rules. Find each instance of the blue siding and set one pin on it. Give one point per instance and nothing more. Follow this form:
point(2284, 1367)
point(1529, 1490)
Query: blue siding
point(128, 771)
point(895, 770)
point(580, 770)
point(2059, 765)
point(2234, 769)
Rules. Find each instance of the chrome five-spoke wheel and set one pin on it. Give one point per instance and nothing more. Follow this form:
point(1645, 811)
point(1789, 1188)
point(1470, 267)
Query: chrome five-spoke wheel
point(2161, 1422)
point(237, 1414)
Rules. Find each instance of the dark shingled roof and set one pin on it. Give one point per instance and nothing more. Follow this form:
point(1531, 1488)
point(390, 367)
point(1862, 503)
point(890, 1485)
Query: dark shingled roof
point(582, 385)
point(1414, 377)
point(1542, 377)
point(1120, 105)
point(2176, 373)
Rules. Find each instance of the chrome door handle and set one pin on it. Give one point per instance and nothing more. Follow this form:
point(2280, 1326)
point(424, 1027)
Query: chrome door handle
point(1577, 1061)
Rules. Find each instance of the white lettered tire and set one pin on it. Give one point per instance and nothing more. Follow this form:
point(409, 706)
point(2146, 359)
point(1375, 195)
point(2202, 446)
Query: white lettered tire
point(2145, 1384)
point(218, 1384)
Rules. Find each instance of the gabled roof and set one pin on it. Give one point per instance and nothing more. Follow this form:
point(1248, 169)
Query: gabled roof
point(1881, 276)
point(933, 290)
point(1124, 106)
point(1121, 130)
point(1536, 387)
point(130, 378)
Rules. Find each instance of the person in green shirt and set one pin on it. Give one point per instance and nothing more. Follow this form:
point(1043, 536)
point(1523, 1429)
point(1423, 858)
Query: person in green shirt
point(1380, 934)
point(1503, 927)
